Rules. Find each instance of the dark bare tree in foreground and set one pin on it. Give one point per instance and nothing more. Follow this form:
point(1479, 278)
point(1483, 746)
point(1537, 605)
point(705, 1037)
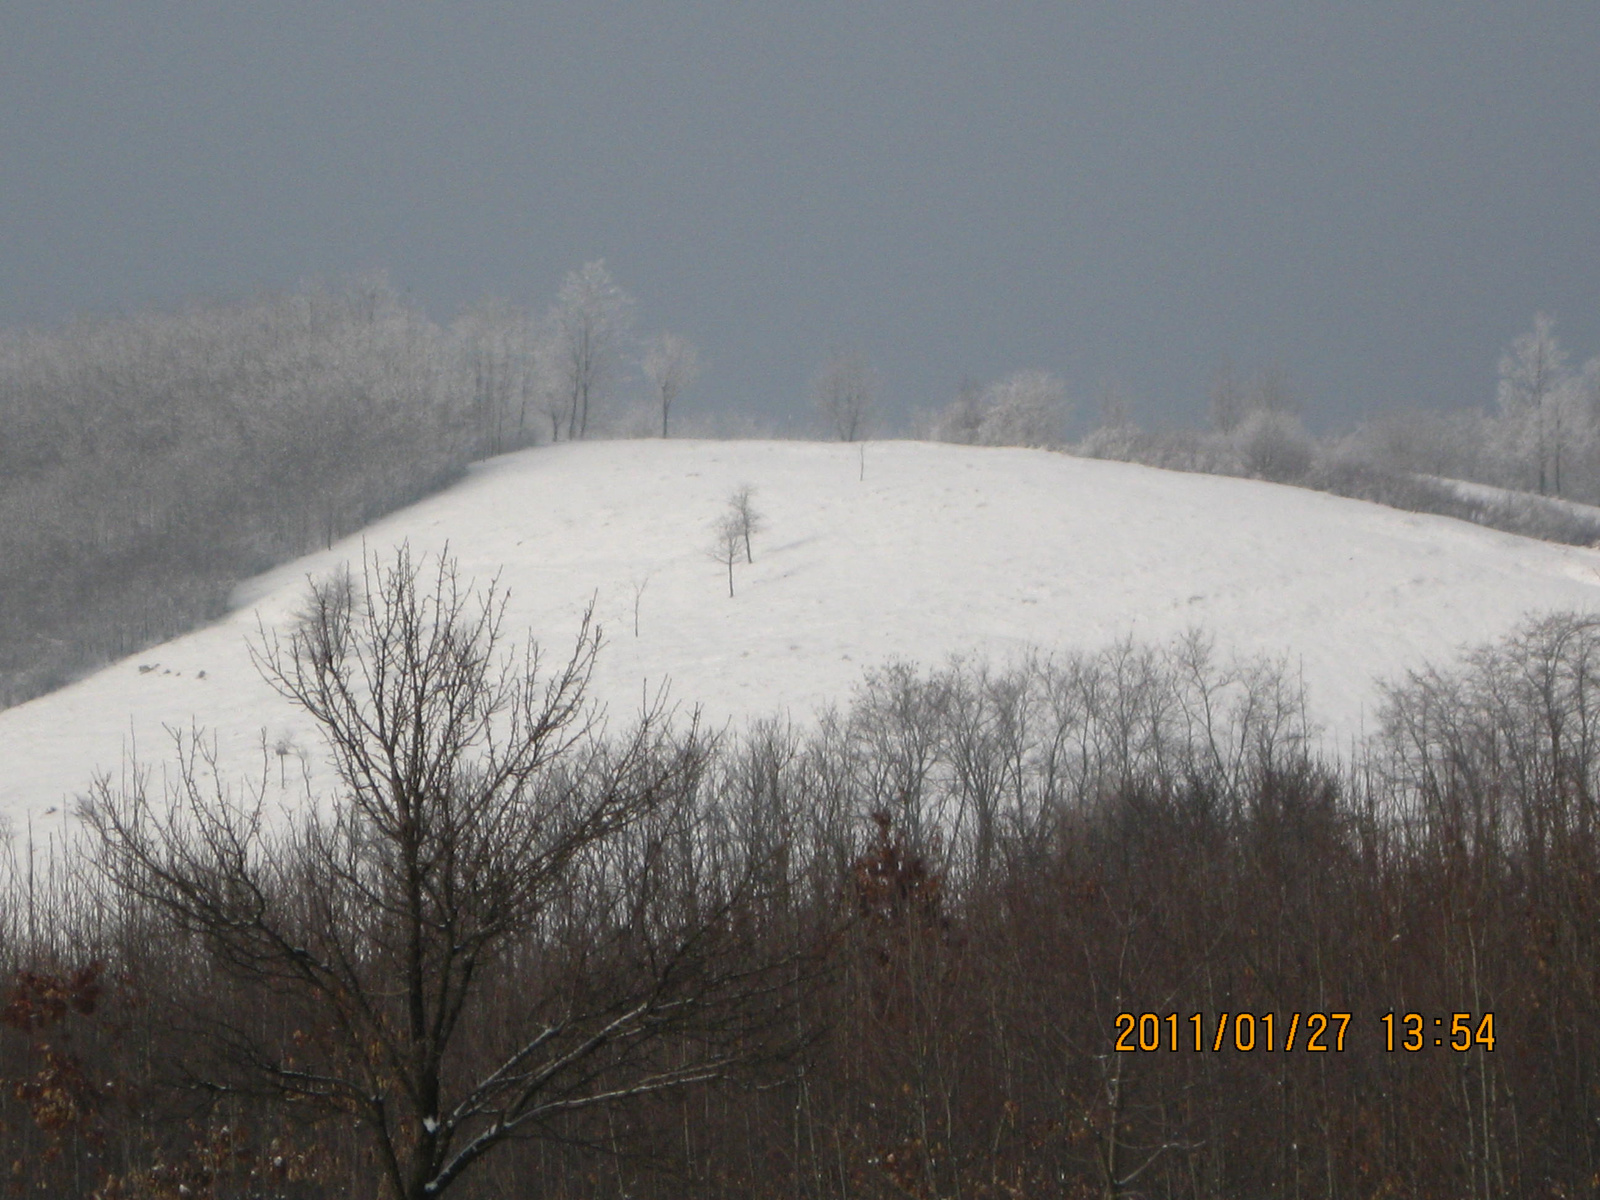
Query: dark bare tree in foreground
point(480, 831)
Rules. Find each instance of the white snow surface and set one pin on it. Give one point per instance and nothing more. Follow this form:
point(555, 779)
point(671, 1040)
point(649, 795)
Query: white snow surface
point(939, 550)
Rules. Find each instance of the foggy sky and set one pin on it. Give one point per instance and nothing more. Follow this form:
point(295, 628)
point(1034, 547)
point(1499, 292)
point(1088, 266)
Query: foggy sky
point(1375, 197)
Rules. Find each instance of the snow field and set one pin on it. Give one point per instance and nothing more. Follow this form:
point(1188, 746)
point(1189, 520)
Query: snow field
point(938, 550)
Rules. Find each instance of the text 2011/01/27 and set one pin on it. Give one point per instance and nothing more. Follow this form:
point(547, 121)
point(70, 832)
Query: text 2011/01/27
point(1310, 1032)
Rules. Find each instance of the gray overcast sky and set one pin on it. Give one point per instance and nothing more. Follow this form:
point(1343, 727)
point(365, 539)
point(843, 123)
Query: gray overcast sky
point(1375, 196)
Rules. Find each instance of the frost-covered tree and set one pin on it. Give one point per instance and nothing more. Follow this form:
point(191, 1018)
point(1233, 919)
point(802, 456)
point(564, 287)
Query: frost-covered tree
point(961, 419)
point(744, 514)
point(1233, 399)
point(1586, 398)
point(1026, 408)
point(1538, 403)
point(499, 344)
point(671, 364)
point(1272, 444)
point(1271, 391)
point(845, 391)
point(1426, 441)
point(1116, 407)
point(586, 344)
point(1581, 418)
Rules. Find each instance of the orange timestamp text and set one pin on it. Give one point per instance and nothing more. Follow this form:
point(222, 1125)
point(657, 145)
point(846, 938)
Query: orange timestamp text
point(1308, 1032)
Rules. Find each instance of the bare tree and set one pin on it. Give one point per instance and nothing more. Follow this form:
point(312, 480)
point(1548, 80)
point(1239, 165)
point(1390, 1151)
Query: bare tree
point(585, 346)
point(481, 831)
point(671, 364)
point(639, 586)
point(744, 514)
point(845, 390)
point(727, 539)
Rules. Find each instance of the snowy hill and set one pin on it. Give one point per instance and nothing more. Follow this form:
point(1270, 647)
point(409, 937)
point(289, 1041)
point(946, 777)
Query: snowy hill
point(940, 549)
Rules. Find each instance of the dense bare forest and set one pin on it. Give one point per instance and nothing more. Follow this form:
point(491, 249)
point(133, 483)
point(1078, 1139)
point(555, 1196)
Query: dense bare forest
point(148, 463)
point(1097, 925)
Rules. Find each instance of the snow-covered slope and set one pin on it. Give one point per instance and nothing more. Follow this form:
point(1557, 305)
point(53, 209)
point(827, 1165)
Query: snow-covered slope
point(939, 549)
